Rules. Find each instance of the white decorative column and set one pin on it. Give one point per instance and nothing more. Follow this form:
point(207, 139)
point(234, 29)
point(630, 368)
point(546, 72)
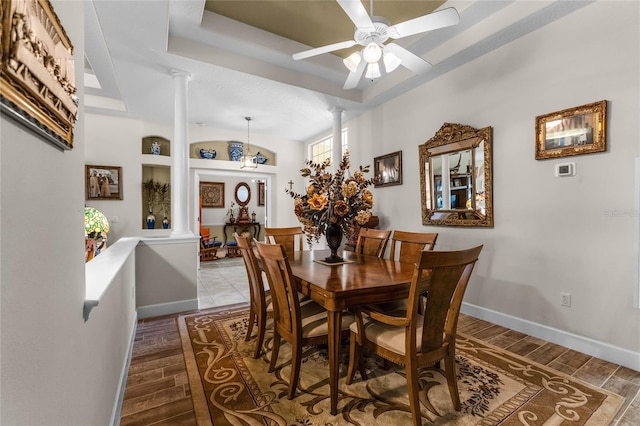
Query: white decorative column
point(180, 147)
point(336, 154)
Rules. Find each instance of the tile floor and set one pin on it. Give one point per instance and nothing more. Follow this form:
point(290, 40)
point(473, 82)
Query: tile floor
point(222, 282)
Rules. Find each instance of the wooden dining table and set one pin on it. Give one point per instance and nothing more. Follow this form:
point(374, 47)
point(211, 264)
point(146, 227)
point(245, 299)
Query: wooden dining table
point(362, 280)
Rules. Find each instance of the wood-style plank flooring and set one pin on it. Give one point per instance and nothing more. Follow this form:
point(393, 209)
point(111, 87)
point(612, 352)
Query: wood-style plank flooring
point(157, 391)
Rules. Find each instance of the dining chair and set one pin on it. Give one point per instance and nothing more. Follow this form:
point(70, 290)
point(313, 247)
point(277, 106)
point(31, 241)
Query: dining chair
point(299, 323)
point(409, 244)
point(372, 242)
point(260, 306)
point(416, 341)
point(290, 238)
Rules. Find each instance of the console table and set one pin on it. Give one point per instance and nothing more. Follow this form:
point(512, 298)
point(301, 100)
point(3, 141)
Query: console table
point(242, 226)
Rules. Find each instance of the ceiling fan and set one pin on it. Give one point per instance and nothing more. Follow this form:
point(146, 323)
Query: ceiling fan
point(372, 32)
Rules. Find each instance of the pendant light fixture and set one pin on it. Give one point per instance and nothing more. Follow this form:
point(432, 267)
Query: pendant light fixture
point(248, 161)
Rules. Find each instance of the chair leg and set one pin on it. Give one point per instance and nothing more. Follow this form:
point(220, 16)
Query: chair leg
point(354, 357)
point(274, 351)
point(412, 389)
point(452, 380)
point(262, 323)
point(296, 356)
point(252, 319)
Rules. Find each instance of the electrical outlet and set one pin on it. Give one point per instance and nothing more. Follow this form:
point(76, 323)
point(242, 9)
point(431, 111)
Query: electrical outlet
point(566, 299)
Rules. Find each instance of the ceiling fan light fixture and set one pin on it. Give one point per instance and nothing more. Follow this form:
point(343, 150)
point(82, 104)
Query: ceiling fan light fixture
point(373, 71)
point(372, 53)
point(352, 61)
point(391, 62)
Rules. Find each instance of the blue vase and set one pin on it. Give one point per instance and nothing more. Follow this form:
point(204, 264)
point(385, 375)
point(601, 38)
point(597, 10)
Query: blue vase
point(209, 154)
point(165, 223)
point(151, 221)
point(155, 148)
point(235, 150)
point(260, 159)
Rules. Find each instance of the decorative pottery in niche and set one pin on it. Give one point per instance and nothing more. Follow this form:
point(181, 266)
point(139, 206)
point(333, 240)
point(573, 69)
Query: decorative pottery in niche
point(261, 159)
point(208, 154)
point(155, 148)
point(235, 150)
point(151, 221)
point(165, 223)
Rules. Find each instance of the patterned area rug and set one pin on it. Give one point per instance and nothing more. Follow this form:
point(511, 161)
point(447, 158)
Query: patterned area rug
point(497, 387)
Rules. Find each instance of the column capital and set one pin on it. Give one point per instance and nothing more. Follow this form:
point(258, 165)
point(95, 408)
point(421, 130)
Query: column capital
point(336, 110)
point(179, 73)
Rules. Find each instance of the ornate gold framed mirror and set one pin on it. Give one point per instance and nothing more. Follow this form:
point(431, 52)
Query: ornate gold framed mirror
point(456, 177)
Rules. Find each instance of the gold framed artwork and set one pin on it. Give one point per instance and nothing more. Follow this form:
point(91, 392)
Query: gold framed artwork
point(37, 80)
point(388, 169)
point(103, 182)
point(573, 131)
point(212, 194)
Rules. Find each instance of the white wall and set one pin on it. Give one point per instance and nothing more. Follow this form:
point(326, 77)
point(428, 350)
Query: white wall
point(56, 368)
point(551, 235)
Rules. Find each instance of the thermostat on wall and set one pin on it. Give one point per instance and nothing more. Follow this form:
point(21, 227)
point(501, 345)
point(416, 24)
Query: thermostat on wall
point(565, 169)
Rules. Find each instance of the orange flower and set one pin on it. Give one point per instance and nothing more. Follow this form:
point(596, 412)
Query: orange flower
point(317, 202)
point(367, 197)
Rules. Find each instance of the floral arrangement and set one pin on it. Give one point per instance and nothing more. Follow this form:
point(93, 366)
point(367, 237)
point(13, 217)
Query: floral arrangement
point(336, 198)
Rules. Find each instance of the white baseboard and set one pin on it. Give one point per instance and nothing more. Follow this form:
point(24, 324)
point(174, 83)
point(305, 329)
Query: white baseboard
point(117, 409)
point(167, 308)
point(578, 343)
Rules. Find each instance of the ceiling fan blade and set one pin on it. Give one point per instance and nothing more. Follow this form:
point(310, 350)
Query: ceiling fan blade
point(354, 77)
point(440, 19)
point(357, 13)
point(409, 60)
point(324, 49)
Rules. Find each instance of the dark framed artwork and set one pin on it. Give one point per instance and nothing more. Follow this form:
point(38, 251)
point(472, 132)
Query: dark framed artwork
point(573, 131)
point(37, 80)
point(103, 182)
point(261, 193)
point(388, 169)
point(212, 194)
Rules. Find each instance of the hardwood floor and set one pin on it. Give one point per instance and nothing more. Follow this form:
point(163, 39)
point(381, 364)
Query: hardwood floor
point(157, 391)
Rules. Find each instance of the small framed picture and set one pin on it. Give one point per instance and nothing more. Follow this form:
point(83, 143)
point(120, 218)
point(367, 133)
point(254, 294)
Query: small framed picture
point(103, 182)
point(261, 193)
point(212, 194)
point(573, 131)
point(388, 169)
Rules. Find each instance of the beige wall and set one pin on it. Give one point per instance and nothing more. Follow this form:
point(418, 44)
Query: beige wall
point(56, 369)
point(551, 234)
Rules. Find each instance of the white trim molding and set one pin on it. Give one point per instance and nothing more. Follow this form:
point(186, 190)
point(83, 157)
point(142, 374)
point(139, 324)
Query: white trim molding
point(578, 343)
point(167, 308)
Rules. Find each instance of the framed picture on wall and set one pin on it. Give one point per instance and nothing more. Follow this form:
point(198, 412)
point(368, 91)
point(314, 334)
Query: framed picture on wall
point(261, 193)
point(573, 131)
point(103, 182)
point(388, 169)
point(212, 194)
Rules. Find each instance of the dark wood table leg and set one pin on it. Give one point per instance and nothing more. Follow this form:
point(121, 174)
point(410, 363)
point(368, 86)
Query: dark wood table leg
point(334, 322)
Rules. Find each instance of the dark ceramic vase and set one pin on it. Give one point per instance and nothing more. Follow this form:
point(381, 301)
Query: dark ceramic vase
point(334, 239)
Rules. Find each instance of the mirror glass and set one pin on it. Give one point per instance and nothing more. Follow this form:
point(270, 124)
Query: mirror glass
point(455, 178)
point(243, 194)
